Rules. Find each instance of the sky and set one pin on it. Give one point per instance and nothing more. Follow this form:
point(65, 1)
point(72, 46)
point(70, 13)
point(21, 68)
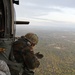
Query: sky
point(46, 12)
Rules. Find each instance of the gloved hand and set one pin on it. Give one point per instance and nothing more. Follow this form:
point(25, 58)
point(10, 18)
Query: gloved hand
point(39, 56)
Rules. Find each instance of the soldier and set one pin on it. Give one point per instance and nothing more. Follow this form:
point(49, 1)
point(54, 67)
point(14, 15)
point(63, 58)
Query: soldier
point(4, 69)
point(23, 53)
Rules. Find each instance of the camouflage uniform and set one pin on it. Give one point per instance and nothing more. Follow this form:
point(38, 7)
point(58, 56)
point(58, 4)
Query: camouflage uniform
point(4, 70)
point(24, 54)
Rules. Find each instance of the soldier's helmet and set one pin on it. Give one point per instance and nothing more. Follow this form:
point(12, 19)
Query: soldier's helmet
point(33, 38)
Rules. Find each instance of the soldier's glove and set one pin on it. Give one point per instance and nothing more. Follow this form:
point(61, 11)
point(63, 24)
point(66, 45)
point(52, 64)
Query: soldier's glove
point(39, 56)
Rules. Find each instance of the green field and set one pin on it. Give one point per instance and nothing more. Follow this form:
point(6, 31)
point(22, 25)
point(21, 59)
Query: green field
point(58, 49)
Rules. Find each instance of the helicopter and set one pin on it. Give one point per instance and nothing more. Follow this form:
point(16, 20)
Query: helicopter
point(8, 27)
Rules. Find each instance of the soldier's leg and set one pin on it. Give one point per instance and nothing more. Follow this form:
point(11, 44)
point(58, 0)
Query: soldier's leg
point(2, 73)
point(4, 68)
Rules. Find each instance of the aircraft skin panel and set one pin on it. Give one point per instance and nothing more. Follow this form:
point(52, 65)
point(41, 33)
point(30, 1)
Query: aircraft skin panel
point(13, 18)
point(9, 18)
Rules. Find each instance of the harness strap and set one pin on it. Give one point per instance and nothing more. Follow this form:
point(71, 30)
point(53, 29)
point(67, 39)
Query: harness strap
point(15, 65)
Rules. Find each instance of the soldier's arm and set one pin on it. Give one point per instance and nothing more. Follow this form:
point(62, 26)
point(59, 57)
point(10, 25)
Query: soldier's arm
point(32, 61)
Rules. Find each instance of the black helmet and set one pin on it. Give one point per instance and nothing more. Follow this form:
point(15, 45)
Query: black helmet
point(33, 38)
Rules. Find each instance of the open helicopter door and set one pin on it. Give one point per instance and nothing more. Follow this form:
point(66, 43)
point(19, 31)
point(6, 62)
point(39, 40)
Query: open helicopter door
point(7, 31)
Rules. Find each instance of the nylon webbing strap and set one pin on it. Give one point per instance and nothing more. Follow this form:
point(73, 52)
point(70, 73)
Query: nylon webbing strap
point(14, 65)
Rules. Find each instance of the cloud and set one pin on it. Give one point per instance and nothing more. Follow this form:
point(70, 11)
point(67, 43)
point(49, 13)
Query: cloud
point(63, 3)
point(47, 10)
point(65, 15)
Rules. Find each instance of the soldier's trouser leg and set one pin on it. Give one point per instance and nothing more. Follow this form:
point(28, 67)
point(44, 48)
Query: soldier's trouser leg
point(2, 73)
point(4, 68)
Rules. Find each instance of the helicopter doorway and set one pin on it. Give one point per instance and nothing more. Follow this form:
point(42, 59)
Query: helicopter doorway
point(2, 21)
